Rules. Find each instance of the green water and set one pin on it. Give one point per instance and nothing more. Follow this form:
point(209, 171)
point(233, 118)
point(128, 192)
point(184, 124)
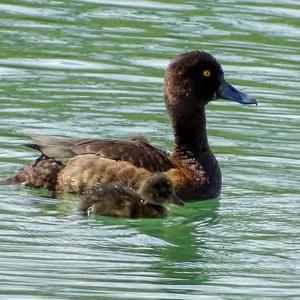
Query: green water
point(94, 68)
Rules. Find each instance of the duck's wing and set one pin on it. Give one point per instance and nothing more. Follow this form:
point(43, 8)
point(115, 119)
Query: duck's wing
point(138, 150)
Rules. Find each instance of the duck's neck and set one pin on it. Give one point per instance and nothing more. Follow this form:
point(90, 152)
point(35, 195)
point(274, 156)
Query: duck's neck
point(190, 131)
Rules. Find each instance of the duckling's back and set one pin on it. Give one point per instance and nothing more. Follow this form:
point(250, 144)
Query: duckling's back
point(111, 200)
point(115, 200)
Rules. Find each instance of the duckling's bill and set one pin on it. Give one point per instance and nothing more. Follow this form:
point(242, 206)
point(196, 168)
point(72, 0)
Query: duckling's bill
point(228, 92)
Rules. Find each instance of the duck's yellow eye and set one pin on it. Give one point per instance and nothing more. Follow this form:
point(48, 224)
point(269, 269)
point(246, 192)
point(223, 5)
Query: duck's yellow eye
point(206, 73)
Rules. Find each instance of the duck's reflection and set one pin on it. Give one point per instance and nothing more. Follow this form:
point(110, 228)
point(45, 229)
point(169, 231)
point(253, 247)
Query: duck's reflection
point(184, 234)
point(177, 243)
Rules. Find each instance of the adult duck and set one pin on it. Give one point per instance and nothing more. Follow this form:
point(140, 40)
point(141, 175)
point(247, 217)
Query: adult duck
point(192, 80)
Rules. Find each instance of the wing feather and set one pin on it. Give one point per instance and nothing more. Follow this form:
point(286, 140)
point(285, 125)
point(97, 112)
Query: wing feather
point(137, 150)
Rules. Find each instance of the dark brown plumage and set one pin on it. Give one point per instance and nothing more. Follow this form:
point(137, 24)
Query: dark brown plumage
point(41, 173)
point(116, 200)
point(138, 150)
point(191, 81)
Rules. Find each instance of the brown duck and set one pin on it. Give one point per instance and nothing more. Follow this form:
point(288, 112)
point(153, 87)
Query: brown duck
point(192, 80)
point(116, 200)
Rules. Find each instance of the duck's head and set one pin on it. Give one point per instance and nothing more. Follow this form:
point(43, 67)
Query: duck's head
point(157, 189)
point(196, 77)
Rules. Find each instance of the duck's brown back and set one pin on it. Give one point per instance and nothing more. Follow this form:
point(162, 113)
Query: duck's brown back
point(84, 171)
point(137, 151)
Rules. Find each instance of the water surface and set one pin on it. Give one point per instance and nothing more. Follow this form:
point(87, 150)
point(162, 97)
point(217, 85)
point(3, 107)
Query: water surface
point(94, 68)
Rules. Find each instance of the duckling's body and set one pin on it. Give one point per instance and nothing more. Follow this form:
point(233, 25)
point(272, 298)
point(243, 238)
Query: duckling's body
point(192, 80)
point(116, 200)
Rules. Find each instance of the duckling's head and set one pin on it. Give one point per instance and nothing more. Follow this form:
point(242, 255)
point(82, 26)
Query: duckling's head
point(158, 189)
point(194, 78)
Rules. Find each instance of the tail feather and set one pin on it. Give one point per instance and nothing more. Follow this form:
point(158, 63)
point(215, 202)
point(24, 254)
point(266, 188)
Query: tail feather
point(33, 146)
point(9, 180)
point(41, 173)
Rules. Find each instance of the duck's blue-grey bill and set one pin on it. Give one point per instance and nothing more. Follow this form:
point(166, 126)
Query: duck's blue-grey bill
point(176, 200)
point(227, 91)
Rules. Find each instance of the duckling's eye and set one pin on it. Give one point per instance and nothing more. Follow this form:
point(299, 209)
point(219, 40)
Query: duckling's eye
point(206, 73)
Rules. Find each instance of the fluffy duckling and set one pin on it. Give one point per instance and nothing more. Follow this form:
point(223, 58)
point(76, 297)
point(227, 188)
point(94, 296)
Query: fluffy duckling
point(118, 201)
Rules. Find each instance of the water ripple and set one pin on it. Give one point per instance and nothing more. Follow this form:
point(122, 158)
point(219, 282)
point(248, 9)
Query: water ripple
point(95, 68)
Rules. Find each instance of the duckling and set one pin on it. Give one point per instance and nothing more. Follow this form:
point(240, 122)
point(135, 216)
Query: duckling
point(118, 201)
point(192, 80)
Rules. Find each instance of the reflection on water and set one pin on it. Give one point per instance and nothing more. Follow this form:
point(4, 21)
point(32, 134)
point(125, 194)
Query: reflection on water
point(95, 69)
